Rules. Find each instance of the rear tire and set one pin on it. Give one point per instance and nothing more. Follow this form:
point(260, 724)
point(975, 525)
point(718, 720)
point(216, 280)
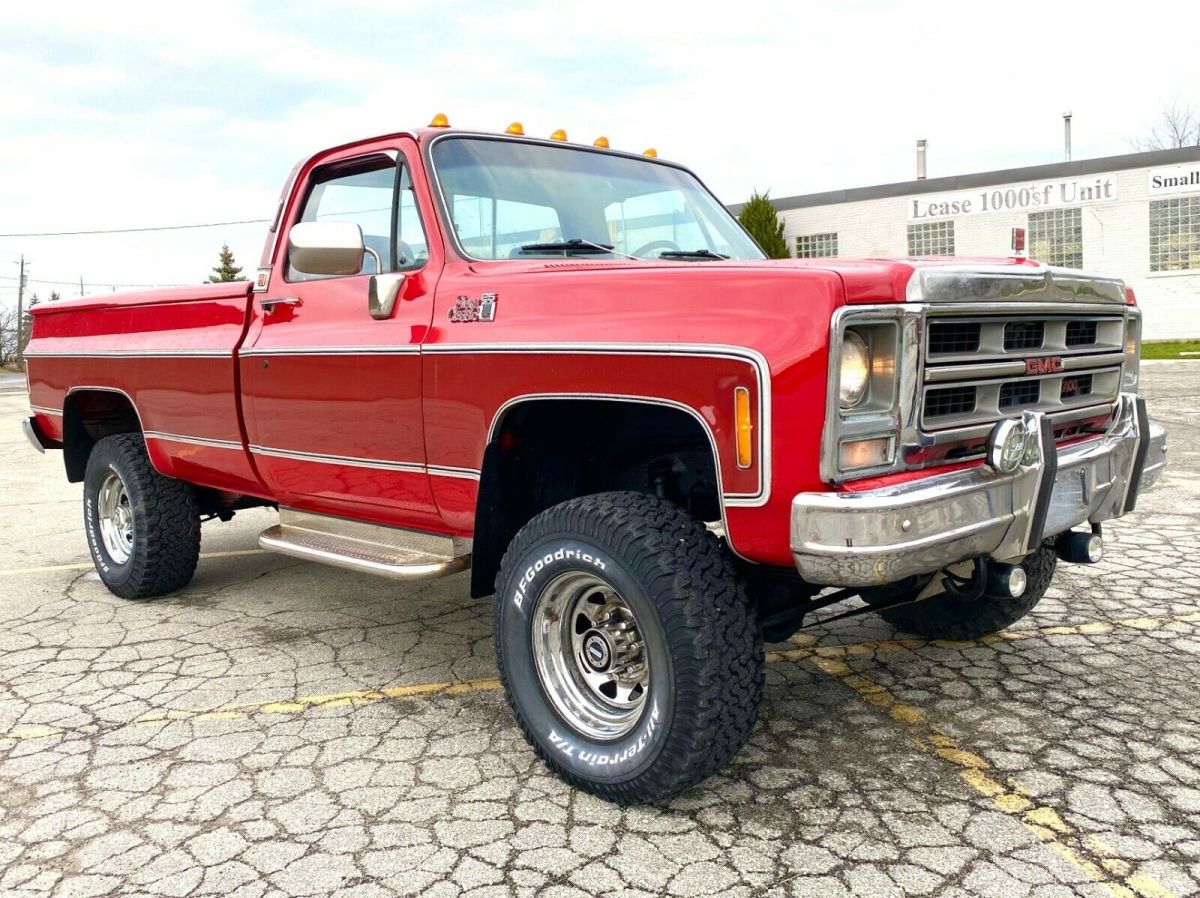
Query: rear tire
point(628, 649)
point(143, 529)
point(945, 617)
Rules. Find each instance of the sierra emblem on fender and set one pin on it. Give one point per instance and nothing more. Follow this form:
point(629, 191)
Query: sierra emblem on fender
point(1047, 365)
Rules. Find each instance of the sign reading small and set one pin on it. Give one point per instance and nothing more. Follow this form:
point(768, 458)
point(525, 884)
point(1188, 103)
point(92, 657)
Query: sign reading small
point(1177, 179)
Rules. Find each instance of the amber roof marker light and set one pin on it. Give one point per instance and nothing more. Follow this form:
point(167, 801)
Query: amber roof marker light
point(559, 134)
point(601, 142)
point(515, 128)
point(440, 121)
point(651, 152)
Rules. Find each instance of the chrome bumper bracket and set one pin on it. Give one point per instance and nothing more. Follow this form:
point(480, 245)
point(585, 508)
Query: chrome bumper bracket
point(1139, 458)
point(1048, 452)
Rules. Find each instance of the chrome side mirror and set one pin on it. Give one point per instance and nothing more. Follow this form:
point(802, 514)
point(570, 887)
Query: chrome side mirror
point(326, 247)
point(382, 293)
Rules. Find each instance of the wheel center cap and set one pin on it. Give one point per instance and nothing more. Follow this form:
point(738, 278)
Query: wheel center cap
point(596, 652)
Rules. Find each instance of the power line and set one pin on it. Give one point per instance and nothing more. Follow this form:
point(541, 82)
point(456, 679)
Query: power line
point(75, 283)
point(182, 227)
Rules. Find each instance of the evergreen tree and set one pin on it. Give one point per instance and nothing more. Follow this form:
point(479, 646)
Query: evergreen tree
point(759, 218)
point(226, 271)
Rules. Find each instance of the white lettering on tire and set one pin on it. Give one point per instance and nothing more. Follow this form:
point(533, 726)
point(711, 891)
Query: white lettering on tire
point(601, 759)
point(98, 555)
point(538, 566)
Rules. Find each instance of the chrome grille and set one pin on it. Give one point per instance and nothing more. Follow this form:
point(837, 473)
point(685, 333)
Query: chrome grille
point(1019, 394)
point(983, 367)
point(953, 336)
point(1024, 335)
point(1081, 333)
point(949, 401)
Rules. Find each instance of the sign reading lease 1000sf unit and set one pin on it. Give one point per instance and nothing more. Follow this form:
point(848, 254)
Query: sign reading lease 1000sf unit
point(1014, 198)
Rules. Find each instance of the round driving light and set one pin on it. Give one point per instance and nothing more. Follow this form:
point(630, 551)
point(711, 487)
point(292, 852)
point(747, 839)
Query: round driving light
point(1095, 548)
point(1006, 445)
point(856, 370)
point(1017, 581)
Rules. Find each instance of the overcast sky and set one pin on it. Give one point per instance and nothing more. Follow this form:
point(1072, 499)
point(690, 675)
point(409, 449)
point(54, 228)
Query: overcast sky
point(130, 115)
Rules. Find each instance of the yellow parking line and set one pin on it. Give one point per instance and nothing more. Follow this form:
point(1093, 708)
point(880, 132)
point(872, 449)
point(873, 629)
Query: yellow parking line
point(333, 700)
point(85, 565)
point(891, 646)
point(1087, 854)
point(818, 653)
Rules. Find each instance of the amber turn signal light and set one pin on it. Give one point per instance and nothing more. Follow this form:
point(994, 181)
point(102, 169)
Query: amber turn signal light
point(745, 427)
point(440, 121)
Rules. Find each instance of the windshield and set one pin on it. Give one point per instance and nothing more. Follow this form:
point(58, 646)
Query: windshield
point(512, 200)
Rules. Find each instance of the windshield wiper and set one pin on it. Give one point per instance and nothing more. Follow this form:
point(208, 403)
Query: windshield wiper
point(706, 254)
point(577, 245)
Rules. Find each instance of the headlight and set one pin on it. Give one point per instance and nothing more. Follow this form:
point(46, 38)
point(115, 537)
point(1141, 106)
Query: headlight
point(856, 370)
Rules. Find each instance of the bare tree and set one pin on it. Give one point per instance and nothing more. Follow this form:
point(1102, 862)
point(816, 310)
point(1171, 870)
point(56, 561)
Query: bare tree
point(1178, 125)
point(8, 336)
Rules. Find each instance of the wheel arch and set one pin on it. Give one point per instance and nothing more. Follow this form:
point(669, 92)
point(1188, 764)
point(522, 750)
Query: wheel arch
point(91, 413)
point(521, 476)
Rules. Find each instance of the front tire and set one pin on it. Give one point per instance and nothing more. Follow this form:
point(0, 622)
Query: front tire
point(627, 646)
point(946, 617)
point(143, 529)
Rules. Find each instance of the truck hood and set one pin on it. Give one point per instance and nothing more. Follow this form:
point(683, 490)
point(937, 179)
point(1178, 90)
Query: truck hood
point(928, 279)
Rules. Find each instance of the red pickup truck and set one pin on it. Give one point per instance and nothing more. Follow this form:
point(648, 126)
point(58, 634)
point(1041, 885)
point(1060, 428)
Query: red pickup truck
point(569, 369)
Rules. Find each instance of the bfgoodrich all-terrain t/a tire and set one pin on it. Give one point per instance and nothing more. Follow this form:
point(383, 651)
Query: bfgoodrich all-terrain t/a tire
point(143, 529)
point(627, 646)
point(945, 617)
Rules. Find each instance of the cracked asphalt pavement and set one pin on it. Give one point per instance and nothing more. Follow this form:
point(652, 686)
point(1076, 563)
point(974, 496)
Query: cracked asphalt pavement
point(280, 728)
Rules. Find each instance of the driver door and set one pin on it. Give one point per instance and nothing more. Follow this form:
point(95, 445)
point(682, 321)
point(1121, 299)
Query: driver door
point(333, 395)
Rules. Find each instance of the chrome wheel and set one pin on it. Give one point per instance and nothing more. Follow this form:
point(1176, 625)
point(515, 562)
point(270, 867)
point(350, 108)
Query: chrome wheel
point(115, 518)
point(590, 655)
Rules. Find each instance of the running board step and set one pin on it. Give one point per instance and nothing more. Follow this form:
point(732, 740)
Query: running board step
point(372, 548)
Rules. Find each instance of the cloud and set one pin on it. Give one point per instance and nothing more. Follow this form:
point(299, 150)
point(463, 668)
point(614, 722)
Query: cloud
point(129, 114)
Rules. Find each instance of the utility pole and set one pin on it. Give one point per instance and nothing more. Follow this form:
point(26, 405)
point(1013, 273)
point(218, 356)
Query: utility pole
point(81, 285)
point(21, 316)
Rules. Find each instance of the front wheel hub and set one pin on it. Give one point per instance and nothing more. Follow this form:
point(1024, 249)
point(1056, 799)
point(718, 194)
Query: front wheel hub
point(590, 656)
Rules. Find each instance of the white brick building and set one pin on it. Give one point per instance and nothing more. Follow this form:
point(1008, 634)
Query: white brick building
point(1136, 217)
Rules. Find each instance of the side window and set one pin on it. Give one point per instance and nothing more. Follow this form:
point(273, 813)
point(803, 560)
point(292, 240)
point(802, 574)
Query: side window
point(654, 218)
point(358, 191)
point(494, 229)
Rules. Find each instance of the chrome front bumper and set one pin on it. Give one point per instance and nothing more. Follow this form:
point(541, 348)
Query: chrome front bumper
point(880, 536)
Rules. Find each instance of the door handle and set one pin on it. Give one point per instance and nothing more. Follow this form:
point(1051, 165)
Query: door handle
point(269, 303)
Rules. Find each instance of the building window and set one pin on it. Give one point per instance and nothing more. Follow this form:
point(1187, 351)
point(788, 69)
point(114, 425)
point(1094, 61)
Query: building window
point(1056, 237)
point(816, 246)
point(931, 238)
point(1175, 234)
